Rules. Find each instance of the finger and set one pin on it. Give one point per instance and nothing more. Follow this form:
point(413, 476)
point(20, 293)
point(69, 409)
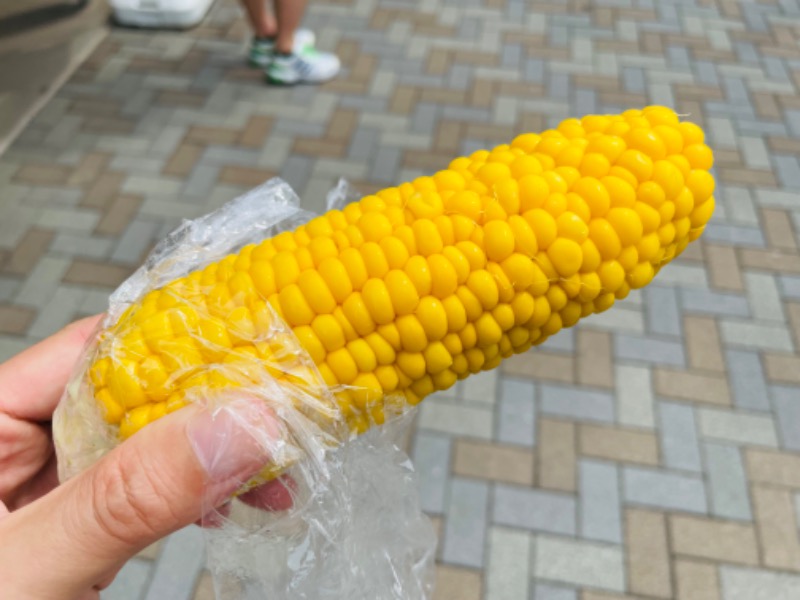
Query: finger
point(163, 478)
point(274, 495)
point(26, 393)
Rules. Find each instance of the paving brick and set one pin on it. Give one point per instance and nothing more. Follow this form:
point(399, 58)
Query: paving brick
point(432, 464)
point(482, 388)
point(778, 229)
point(594, 366)
point(783, 368)
point(541, 365)
point(755, 584)
point(634, 396)
point(763, 296)
point(714, 303)
point(696, 580)
point(491, 461)
point(747, 380)
point(178, 565)
point(546, 591)
point(465, 529)
point(579, 563)
point(599, 515)
point(724, 541)
point(534, 509)
point(787, 409)
point(454, 583)
point(663, 489)
point(723, 269)
point(617, 444)
point(621, 318)
point(740, 428)
point(695, 387)
point(648, 565)
point(456, 418)
point(42, 281)
point(663, 313)
point(777, 528)
point(507, 576)
point(556, 455)
point(773, 468)
point(756, 335)
point(727, 482)
point(703, 344)
point(517, 412)
point(648, 350)
point(679, 444)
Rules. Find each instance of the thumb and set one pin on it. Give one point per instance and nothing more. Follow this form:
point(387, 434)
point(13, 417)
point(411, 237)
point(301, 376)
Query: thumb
point(163, 478)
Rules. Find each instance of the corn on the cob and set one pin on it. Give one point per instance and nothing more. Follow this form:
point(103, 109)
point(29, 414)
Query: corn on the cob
point(417, 286)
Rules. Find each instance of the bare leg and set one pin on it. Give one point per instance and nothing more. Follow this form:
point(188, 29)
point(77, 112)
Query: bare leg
point(289, 14)
point(261, 19)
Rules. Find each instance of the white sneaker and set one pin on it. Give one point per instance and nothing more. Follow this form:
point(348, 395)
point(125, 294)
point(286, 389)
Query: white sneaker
point(307, 66)
point(261, 50)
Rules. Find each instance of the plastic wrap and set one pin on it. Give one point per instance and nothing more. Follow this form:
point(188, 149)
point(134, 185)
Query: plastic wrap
point(355, 529)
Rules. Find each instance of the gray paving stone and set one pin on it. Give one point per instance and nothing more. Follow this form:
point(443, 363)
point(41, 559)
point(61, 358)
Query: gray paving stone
point(738, 427)
point(739, 205)
point(42, 281)
point(507, 576)
point(664, 489)
point(714, 303)
point(385, 165)
point(635, 403)
point(579, 563)
point(750, 335)
point(577, 403)
point(764, 297)
point(754, 584)
point(663, 312)
point(788, 170)
point(432, 463)
point(734, 235)
point(563, 341)
point(786, 400)
point(727, 482)
point(633, 79)
point(678, 435)
point(465, 528)
point(136, 240)
point(649, 350)
point(8, 288)
point(536, 510)
point(131, 582)
point(546, 591)
point(600, 515)
point(180, 562)
point(748, 385)
point(517, 412)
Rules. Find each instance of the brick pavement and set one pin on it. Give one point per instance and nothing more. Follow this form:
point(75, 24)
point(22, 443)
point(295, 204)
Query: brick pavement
point(652, 452)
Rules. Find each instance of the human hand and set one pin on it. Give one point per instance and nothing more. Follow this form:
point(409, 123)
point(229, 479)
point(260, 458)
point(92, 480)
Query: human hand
point(69, 541)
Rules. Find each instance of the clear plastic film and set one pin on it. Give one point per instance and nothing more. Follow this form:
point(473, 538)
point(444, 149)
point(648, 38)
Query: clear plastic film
point(355, 528)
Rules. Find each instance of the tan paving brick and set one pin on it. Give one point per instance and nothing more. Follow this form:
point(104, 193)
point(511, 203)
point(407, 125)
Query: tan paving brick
point(211, 135)
point(648, 553)
point(448, 136)
point(113, 125)
point(15, 319)
point(594, 595)
point(766, 106)
point(343, 122)
point(255, 132)
point(89, 168)
point(320, 148)
point(770, 260)
point(28, 251)
point(181, 98)
point(403, 99)
point(618, 444)
point(725, 541)
point(783, 368)
point(104, 189)
point(783, 144)
point(244, 176)
point(493, 461)
point(556, 459)
point(697, 387)
point(778, 227)
point(594, 366)
point(152, 551)
point(205, 587)
point(454, 583)
point(696, 580)
point(183, 160)
point(120, 213)
point(773, 468)
point(777, 528)
point(438, 62)
point(42, 174)
point(793, 312)
point(541, 366)
point(703, 343)
point(753, 177)
point(482, 93)
point(95, 273)
point(724, 268)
